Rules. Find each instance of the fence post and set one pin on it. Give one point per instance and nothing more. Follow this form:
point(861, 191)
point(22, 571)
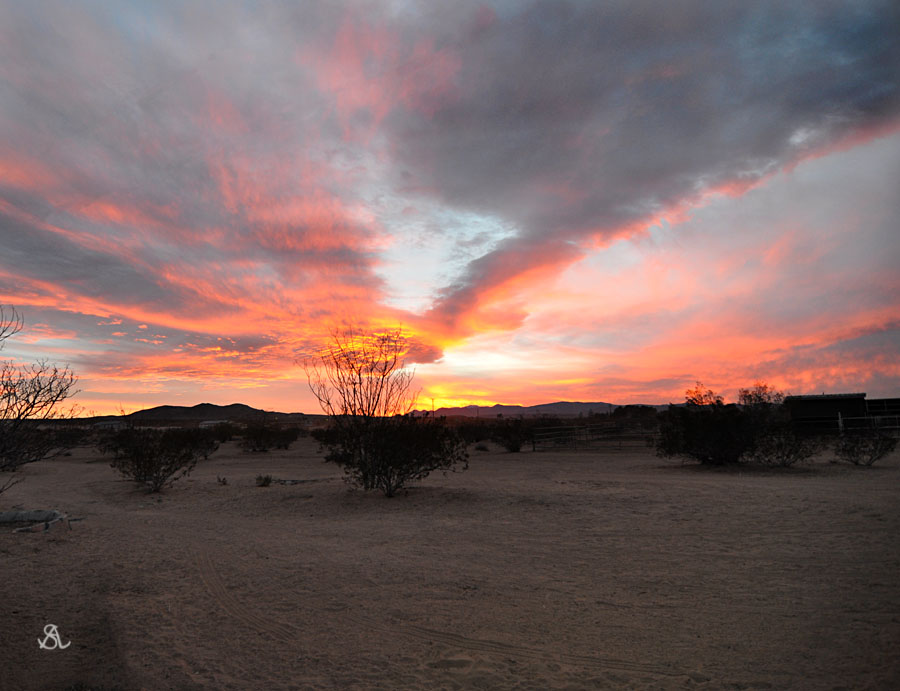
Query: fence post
point(840, 423)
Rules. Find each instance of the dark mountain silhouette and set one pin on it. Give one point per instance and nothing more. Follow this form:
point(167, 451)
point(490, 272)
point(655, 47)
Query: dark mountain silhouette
point(199, 412)
point(236, 412)
point(562, 409)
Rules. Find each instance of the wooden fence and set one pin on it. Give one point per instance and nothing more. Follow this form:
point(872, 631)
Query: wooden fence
point(887, 424)
point(589, 437)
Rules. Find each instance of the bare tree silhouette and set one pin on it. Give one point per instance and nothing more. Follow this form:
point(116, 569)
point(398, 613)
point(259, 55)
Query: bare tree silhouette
point(361, 381)
point(30, 394)
point(362, 375)
point(9, 325)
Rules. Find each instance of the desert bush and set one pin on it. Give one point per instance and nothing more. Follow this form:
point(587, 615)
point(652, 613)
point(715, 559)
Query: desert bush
point(157, 458)
point(224, 431)
point(262, 437)
point(69, 436)
point(263, 480)
point(474, 430)
point(638, 418)
point(864, 447)
point(511, 435)
point(285, 437)
point(204, 440)
point(714, 433)
point(772, 439)
point(361, 382)
point(481, 446)
point(779, 445)
point(326, 436)
point(388, 453)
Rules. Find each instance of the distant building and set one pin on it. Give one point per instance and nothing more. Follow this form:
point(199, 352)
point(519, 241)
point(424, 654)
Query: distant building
point(211, 423)
point(823, 412)
point(109, 424)
point(876, 407)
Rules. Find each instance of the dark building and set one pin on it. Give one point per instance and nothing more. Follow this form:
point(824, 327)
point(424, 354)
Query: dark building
point(877, 407)
point(822, 412)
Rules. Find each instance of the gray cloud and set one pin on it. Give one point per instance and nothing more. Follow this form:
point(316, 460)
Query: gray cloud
point(234, 145)
point(576, 119)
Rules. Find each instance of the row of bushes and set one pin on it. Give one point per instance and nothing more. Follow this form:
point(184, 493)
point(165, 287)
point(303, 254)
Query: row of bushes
point(156, 458)
point(757, 431)
point(386, 453)
point(261, 438)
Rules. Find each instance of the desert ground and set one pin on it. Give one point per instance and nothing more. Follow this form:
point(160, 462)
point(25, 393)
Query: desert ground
point(550, 570)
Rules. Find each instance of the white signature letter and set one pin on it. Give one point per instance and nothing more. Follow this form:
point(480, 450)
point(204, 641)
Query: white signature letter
point(52, 635)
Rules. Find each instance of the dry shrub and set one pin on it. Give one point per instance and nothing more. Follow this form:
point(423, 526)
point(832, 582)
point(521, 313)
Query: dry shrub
point(864, 447)
point(157, 458)
point(711, 433)
point(260, 438)
point(780, 446)
point(511, 435)
point(388, 453)
point(756, 431)
point(31, 396)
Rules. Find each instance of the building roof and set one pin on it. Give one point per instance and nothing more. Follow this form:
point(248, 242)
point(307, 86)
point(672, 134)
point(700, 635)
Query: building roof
point(824, 396)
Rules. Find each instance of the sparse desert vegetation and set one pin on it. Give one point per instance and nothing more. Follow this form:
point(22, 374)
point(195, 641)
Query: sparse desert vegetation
point(608, 568)
point(261, 437)
point(864, 447)
point(157, 458)
point(383, 312)
point(756, 430)
point(600, 568)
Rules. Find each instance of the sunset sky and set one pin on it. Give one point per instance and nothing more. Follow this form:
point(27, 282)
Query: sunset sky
point(594, 201)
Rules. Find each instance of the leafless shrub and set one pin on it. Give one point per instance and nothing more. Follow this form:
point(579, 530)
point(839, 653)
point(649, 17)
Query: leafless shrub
point(864, 447)
point(157, 458)
point(780, 446)
point(261, 437)
point(10, 324)
point(361, 381)
point(30, 398)
point(362, 375)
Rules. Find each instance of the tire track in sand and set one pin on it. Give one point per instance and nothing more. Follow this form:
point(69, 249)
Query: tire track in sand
point(481, 645)
point(210, 576)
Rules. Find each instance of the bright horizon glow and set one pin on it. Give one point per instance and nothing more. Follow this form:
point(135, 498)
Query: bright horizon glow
point(191, 199)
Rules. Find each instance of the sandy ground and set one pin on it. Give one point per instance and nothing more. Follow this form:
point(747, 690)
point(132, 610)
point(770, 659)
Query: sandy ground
point(548, 570)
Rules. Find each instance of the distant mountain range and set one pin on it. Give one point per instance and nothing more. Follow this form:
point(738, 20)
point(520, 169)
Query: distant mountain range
point(561, 409)
point(238, 412)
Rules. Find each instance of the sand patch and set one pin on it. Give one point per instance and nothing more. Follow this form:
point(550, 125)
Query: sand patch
point(533, 570)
